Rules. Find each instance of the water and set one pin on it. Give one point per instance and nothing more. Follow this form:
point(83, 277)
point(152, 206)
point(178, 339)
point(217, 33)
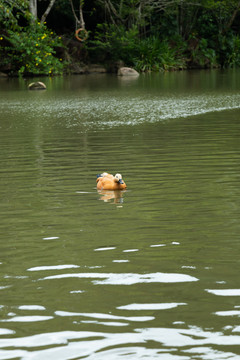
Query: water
point(149, 273)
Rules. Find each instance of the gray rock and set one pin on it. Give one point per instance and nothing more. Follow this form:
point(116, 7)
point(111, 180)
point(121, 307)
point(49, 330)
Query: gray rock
point(126, 71)
point(38, 85)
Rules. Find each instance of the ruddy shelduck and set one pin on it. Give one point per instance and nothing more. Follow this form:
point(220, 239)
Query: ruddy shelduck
point(106, 181)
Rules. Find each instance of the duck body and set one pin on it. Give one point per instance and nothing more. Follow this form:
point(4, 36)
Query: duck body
point(106, 181)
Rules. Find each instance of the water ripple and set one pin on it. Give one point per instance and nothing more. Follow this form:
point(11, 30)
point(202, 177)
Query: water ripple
point(105, 316)
point(27, 319)
point(127, 278)
point(52, 267)
point(150, 306)
point(225, 292)
point(99, 345)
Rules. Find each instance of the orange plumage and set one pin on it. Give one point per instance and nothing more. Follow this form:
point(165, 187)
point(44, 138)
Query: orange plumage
point(107, 181)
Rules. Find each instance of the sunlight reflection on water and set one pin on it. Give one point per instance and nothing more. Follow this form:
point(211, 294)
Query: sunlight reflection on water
point(101, 111)
point(126, 278)
point(90, 343)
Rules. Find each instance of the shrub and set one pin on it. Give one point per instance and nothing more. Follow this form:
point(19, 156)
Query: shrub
point(201, 54)
point(229, 50)
point(156, 55)
point(31, 50)
point(149, 54)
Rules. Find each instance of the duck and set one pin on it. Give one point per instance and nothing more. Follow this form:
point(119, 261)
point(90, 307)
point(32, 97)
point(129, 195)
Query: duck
point(106, 181)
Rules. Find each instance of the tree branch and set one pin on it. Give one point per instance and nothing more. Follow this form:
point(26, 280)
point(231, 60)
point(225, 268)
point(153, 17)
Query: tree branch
point(81, 20)
point(74, 14)
point(43, 18)
point(232, 18)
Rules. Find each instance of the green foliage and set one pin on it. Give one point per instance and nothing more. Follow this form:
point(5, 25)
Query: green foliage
point(164, 25)
point(29, 49)
point(156, 55)
point(202, 54)
point(11, 12)
point(149, 54)
point(148, 35)
point(234, 58)
point(206, 26)
point(229, 50)
point(113, 43)
point(32, 50)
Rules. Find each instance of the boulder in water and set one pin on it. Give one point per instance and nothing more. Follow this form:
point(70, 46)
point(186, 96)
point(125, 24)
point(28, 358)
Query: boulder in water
point(127, 71)
point(38, 85)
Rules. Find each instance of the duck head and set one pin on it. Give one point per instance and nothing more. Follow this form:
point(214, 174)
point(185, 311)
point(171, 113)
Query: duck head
point(119, 178)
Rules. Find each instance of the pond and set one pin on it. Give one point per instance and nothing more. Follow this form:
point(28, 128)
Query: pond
point(148, 273)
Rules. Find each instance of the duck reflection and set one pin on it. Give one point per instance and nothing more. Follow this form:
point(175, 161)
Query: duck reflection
point(115, 196)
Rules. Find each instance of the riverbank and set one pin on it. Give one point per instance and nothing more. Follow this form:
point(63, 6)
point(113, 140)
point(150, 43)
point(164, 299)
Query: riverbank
point(69, 56)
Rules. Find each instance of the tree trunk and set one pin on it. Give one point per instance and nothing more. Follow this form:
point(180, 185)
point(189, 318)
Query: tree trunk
point(33, 8)
point(82, 22)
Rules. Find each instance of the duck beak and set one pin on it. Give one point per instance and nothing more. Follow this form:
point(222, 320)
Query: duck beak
point(120, 181)
point(99, 175)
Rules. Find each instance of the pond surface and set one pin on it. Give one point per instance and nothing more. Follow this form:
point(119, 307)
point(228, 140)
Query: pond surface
point(149, 273)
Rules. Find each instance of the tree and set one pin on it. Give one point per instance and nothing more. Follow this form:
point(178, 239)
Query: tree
point(225, 12)
point(80, 23)
point(34, 12)
point(124, 12)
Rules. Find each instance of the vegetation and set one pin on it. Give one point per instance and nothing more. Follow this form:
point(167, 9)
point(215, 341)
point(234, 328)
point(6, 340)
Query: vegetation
point(37, 37)
point(31, 50)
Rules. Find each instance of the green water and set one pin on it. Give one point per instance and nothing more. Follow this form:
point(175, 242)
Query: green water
point(149, 273)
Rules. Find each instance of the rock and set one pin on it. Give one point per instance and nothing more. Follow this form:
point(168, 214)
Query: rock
point(126, 71)
point(3, 75)
point(38, 85)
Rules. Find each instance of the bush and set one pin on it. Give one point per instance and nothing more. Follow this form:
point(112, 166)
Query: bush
point(229, 50)
point(31, 50)
point(202, 55)
point(113, 43)
point(156, 55)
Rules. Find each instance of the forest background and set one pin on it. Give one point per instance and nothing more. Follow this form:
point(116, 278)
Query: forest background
point(38, 37)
